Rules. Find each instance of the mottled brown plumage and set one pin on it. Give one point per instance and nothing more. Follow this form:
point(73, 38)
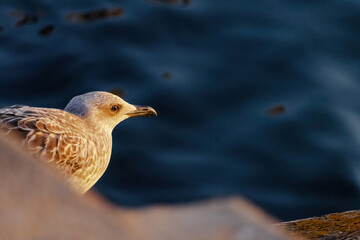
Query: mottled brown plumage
point(76, 141)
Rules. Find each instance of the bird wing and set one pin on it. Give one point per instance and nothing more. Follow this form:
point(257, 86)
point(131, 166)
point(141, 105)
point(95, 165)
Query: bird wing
point(48, 134)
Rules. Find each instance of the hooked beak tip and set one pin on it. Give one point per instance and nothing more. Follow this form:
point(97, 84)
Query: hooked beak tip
point(142, 111)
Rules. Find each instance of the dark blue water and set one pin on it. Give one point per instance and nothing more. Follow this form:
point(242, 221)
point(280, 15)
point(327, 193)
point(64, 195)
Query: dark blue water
point(255, 98)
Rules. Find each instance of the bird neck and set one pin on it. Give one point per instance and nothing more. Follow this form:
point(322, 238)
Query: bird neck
point(98, 128)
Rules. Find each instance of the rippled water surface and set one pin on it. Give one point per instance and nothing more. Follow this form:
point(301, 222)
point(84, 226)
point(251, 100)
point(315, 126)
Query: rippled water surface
point(255, 98)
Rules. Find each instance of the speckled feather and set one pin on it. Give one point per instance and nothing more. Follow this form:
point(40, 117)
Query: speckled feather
point(63, 139)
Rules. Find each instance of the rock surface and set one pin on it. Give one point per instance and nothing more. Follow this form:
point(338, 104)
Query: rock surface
point(231, 218)
point(36, 204)
point(344, 225)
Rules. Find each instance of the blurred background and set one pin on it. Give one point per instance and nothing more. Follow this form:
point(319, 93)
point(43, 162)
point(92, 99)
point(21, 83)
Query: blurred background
point(254, 98)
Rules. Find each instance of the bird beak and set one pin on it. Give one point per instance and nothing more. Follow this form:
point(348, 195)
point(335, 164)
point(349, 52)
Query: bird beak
point(141, 111)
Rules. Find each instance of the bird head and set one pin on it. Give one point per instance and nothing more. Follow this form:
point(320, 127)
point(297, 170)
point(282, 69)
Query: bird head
point(105, 109)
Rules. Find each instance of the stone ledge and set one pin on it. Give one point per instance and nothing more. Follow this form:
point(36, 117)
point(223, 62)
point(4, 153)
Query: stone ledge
point(344, 225)
point(36, 204)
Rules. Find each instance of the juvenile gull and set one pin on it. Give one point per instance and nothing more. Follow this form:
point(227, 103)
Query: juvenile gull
point(77, 140)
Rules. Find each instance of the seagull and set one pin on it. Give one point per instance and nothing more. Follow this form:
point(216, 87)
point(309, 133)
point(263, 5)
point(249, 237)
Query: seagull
point(76, 141)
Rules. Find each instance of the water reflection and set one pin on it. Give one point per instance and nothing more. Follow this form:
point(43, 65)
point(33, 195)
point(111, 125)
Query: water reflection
point(95, 15)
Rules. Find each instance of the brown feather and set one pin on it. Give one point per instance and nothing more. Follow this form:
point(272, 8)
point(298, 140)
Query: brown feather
point(57, 137)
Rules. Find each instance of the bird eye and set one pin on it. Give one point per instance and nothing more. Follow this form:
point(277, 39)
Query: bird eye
point(115, 108)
